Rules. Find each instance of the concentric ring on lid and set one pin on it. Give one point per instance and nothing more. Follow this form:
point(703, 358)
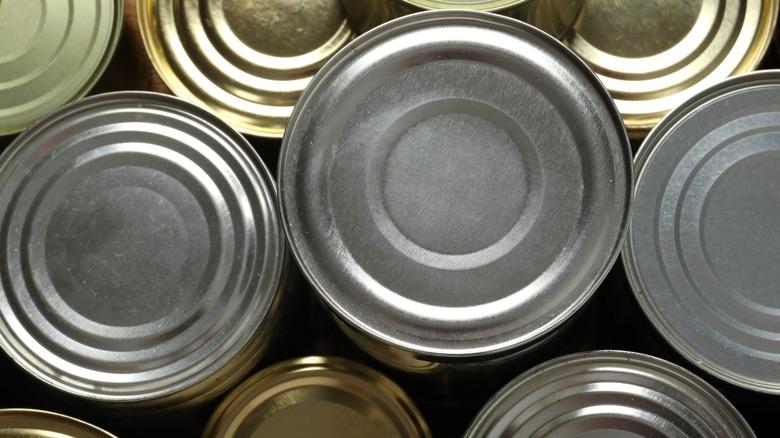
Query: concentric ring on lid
point(34, 423)
point(455, 183)
point(140, 250)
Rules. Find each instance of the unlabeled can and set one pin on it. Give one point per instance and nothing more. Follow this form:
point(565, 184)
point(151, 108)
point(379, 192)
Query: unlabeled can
point(30, 423)
point(552, 16)
point(655, 54)
point(327, 397)
point(455, 185)
point(247, 61)
point(51, 53)
point(608, 394)
point(141, 255)
point(704, 244)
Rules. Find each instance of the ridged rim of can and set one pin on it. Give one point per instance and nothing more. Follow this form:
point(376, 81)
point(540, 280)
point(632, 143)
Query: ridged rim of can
point(639, 289)
point(220, 362)
point(80, 90)
point(215, 69)
point(478, 5)
point(317, 373)
point(354, 49)
point(588, 381)
point(639, 123)
point(46, 424)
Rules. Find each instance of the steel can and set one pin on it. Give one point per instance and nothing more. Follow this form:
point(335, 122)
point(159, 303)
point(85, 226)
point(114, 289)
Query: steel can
point(552, 16)
point(608, 393)
point(703, 245)
point(246, 61)
point(51, 53)
point(317, 396)
point(455, 185)
point(34, 423)
point(654, 55)
point(141, 254)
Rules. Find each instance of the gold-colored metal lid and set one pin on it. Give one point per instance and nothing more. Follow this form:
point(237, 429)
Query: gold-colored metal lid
point(652, 55)
point(247, 61)
point(317, 396)
point(52, 52)
point(30, 423)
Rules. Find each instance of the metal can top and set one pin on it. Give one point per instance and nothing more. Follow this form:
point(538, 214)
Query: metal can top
point(30, 423)
point(51, 53)
point(140, 251)
point(246, 61)
point(703, 245)
point(608, 394)
point(455, 183)
point(481, 5)
point(655, 54)
point(326, 397)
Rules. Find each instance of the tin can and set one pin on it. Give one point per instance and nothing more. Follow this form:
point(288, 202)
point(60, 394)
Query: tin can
point(246, 61)
point(34, 423)
point(142, 259)
point(654, 55)
point(317, 396)
point(52, 53)
point(552, 16)
point(703, 244)
point(434, 214)
point(608, 393)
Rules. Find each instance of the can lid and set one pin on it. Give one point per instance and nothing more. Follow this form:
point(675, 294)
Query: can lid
point(30, 423)
point(455, 183)
point(608, 394)
point(479, 5)
point(703, 246)
point(140, 248)
point(246, 61)
point(52, 53)
point(655, 54)
point(317, 396)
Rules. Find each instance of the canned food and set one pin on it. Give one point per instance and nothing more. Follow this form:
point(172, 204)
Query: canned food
point(141, 254)
point(653, 55)
point(52, 53)
point(608, 393)
point(703, 244)
point(552, 16)
point(33, 424)
point(455, 185)
point(246, 61)
point(317, 396)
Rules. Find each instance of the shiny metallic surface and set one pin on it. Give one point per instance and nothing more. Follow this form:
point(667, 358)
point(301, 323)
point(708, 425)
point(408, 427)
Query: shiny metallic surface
point(703, 246)
point(30, 423)
point(655, 54)
point(141, 254)
point(327, 397)
point(608, 394)
point(455, 184)
point(247, 61)
point(552, 16)
point(51, 53)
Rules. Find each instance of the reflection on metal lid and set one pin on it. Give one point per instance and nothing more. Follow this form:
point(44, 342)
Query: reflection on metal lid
point(29, 423)
point(704, 244)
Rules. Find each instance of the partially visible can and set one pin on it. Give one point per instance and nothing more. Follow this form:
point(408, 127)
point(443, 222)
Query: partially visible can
point(326, 397)
point(142, 259)
point(51, 53)
point(605, 394)
point(30, 423)
point(552, 16)
point(653, 55)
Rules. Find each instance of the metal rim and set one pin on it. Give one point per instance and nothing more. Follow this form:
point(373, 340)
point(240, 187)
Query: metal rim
point(47, 423)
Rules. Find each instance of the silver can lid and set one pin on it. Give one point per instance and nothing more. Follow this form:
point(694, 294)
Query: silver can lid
point(703, 249)
point(140, 248)
point(608, 394)
point(455, 183)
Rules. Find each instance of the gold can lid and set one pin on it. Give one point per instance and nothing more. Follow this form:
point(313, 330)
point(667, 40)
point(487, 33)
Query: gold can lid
point(246, 61)
point(52, 52)
point(317, 396)
point(30, 423)
point(655, 54)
